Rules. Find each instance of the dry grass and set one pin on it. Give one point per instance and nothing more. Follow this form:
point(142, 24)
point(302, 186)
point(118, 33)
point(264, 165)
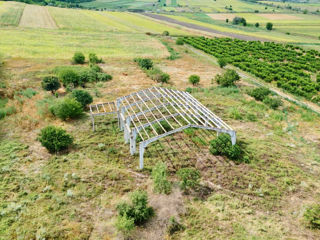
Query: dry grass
point(279, 16)
point(222, 16)
point(37, 17)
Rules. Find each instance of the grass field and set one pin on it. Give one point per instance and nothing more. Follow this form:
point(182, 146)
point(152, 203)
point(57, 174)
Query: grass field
point(311, 6)
point(36, 17)
point(121, 4)
point(10, 13)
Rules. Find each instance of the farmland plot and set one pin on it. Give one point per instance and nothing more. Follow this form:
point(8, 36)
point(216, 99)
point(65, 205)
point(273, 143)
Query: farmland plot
point(10, 13)
point(37, 17)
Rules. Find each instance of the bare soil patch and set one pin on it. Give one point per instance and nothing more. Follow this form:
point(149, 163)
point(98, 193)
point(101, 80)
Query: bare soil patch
point(37, 17)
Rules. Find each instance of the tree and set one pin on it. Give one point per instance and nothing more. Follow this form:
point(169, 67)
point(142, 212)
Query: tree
point(194, 79)
point(228, 79)
point(269, 26)
point(222, 62)
point(69, 77)
point(165, 33)
point(257, 24)
point(50, 83)
point(78, 58)
point(82, 97)
point(55, 139)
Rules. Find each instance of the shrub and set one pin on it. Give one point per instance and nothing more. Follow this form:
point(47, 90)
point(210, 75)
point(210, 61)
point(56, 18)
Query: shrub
point(194, 79)
point(55, 139)
point(125, 224)
point(269, 26)
point(189, 178)
point(69, 77)
point(93, 59)
point(222, 146)
point(257, 25)
point(104, 77)
point(157, 75)
point(312, 215)
point(228, 79)
point(227, 20)
point(67, 108)
point(86, 75)
point(138, 210)
point(78, 58)
point(273, 103)
point(50, 83)
point(165, 33)
point(159, 176)
point(174, 226)
point(82, 97)
point(144, 63)
point(222, 62)
point(179, 41)
point(259, 93)
point(238, 20)
point(96, 68)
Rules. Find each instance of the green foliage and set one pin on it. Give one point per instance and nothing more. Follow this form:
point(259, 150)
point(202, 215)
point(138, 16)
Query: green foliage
point(55, 139)
point(144, 63)
point(189, 178)
point(312, 216)
point(165, 33)
point(259, 93)
point(257, 24)
point(318, 78)
point(82, 97)
point(174, 226)
point(157, 75)
point(194, 79)
point(239, 20)
point(125, 224)
point(96, 68)
point(228, 79)
point(164, 124)
point(159, 176)
point(50, 83)
point(69, 77)
point(173, 54)
point(138, 209)
point(269, 26)
point(222, 146)
point(273, 103)
point(67, 108)
point(222, 62)
point(104, 77)
point(93, 59)
point(179, 41)
point(28, 93)
point(78, 58)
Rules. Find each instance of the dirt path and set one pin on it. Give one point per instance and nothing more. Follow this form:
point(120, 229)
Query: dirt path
point(251, 79)
point(205, 29)
point(37, 17)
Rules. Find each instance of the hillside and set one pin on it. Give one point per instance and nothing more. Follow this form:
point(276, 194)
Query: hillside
point(74, 193)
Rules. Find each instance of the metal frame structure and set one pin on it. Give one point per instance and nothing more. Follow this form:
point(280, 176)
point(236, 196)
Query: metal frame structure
point(101, 109)
point(148, 115)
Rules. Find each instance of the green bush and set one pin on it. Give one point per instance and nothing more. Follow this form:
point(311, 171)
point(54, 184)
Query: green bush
point(194, 79)
point(273, 103)
point(222, 62)
point(189, 178)
point(222, 146)
point(269, 26)
point(104, 77)
point(157, 75)
point(69, 77)
point(144, 63)
point(312, 216)
point(96, 68)
point(174, 226)
point(86, 75)
point(165, 33)
point(50, 83)
point(257, 25)
point(125, 224)
point(78, 58)
point(159, 176)
point(179, 41)
point(228, 79)
point(93, 59)
point(67, 108)
point(82, 97)
point(259, 93)
point(55, 139)
point(138, 209)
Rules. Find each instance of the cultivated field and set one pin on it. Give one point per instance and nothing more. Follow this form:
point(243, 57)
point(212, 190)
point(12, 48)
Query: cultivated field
point(10, 13)
point(36, 17)
point(311, 6)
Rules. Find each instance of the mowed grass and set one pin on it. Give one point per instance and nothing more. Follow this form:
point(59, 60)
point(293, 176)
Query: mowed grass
point(61, 44)
point(120, 4)
point(10, 13)
point(36, 17)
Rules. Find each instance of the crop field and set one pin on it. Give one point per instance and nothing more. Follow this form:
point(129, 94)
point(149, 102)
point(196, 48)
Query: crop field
point(311, 6)
point(36, 17)
point(10, 13)
point(288, 66)
point(121, 4)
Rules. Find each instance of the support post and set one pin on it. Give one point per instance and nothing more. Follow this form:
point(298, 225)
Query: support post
point(133, 138)
point(92, 119)
point(233, 137)
point(126, 132)
point(141, 152)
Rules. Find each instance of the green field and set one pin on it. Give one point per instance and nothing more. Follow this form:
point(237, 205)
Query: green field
point(311, 6)
point(10, 13)
point(121, 4)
